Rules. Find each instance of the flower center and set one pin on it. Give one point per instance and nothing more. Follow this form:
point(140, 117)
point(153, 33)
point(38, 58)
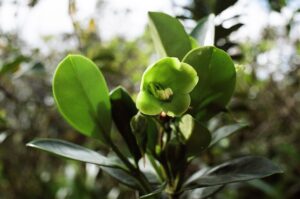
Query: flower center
point(159, 92)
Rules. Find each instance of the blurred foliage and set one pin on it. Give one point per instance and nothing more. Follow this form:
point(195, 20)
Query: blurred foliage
point(270, 105)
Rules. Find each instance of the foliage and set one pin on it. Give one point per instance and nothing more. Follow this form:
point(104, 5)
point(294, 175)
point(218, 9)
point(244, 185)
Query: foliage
point(162, 129)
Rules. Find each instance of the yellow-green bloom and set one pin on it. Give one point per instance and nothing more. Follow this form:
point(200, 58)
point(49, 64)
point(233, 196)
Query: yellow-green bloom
point(165, 87)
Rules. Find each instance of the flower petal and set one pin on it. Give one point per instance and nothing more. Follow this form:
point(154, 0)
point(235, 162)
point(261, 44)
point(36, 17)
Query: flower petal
point(171, 73)
point(147, 104)
point(179, 105)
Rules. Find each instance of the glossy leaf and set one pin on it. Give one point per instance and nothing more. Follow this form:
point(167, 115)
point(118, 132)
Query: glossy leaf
point(216, 83)
point(169, 36)
point(155, 193)
point(123, 109)
point(197, 137)
point(225, 131)
point(205, 192)
point(123, 177)
point(73, 151)
point(204, 32)
point(241, 169)
point(82, 97)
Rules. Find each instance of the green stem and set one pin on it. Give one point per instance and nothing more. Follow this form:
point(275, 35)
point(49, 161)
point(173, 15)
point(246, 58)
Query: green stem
point(156, 168)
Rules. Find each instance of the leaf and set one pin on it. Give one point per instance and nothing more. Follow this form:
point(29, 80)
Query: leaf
point(14, 65)
point(197, 137)
point(225, 131)
point(241, 169)
point(204, 32)
point(169, 36)
point(155, 193)
point(217, 77)
point(205, 192)
point(72, 151)
point(123, 177)
point(82, 97)
point(123, 109)
point(79, 153)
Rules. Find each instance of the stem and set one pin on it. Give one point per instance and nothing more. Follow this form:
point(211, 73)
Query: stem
point(156, 168)
point(135, 170)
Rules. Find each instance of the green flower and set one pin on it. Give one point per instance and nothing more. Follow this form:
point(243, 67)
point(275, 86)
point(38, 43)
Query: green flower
point(165, 87)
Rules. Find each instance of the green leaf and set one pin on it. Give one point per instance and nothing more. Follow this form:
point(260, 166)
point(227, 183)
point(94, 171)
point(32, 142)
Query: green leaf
point(73, 151)
point(204, 32)
point(14, 65)
point(241, 169)
point(197, 137)
point(205, 192)
point(82, 97)
point(216, 83)
point(169, 36)
point(123, 109)
point(155, 193)
point(123, 177)
point(225, 131)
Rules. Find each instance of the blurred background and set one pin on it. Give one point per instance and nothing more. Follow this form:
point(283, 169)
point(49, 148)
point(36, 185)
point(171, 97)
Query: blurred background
point(262, 36)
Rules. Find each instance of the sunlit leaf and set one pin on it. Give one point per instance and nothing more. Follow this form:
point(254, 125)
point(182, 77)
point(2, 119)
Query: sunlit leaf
point(82, 97)
point(216, 83)
point(204, 32)
point(169, 36)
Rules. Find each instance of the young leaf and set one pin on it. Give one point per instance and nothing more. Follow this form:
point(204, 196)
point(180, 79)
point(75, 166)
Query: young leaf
point(216, 83)
point(197, 137)
point(123, 109)
point(241, 169)
point(225, 131)
point(82, 97)
point(169, 36)
point(204, 32)
point(73, 151)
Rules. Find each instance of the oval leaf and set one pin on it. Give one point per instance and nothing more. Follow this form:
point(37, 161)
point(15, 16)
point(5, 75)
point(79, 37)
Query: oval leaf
point(216, 83)
point(241, 169)
point(169, 36)
point(82, 97)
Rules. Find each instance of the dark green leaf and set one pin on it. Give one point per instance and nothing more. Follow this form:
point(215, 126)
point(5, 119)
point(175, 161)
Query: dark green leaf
point(225, 131)
point(13, 66)
point(123, 177)
point(197, 137)
point(73, 151)
point(169, 36)
point(123, 109)
point(82, 97)
point(241, 169)
point(204, 32)
point(205, 192)
point(216, 83)
point(155, 193)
